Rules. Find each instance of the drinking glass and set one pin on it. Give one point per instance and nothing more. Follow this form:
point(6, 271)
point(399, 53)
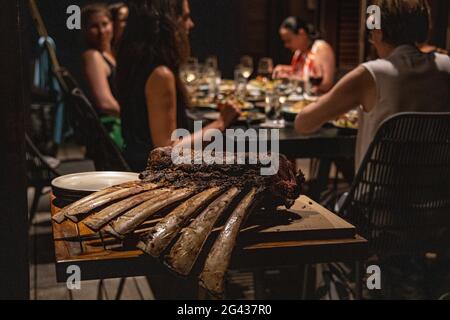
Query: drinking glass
point(240, 82)
point(247, 66)
point(265, 68)
point(274, 104)
point(190, 74)
point(212, 63)
point(315, 77)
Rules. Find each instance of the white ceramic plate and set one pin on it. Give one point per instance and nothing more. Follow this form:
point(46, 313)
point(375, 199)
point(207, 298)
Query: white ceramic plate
point(92, 181)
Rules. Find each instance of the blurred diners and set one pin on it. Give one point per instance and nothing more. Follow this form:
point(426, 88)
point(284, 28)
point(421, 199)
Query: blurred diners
point(154, 99)
point(99, 66)
point(313, 58)
point(403, 79)
point(119, 12)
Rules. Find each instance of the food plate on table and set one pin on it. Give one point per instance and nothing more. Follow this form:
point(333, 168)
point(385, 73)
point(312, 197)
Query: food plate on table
point(204, 104)
point(291, 112)
point(243, 105)
point(247, 117)
point(81, 184)
point(255, 99)
point(294, 98)
point(310, 97)
point(227, 86)
point(348, 121)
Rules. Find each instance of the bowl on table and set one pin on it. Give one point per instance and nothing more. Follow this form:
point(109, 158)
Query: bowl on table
point(247, 117)
point(291, 112)
point(72, 187)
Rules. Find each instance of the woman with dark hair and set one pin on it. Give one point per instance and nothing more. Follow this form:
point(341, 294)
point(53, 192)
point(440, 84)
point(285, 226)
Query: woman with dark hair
point(99, 66)
point(404, 79)
point(154, 100)
point(119, 13)
point(309, 52)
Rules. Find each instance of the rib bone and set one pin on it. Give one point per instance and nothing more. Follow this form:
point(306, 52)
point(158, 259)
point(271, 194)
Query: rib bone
point(102, 218)
point(75, 214)
point(126, 223)
point(161, 235)
point(186, 250)
point(61, 216)
point(216, 265)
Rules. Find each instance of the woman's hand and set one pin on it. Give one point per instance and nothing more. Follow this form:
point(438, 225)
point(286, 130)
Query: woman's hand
point(282, 71)
point(229, 112)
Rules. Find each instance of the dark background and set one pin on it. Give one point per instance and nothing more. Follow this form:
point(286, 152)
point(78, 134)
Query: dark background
point(231, 28)
point(221, 29)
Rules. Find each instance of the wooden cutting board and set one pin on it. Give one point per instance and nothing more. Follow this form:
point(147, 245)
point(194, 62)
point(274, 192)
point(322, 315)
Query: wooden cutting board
point(306, 220)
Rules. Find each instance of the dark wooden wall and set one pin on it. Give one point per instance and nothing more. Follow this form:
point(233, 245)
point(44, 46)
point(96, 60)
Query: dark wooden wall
point(233, 28)
point(440, 11)
point(14, 282)
point(230, 29)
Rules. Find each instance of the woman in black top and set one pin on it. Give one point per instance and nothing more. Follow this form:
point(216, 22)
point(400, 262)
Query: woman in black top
point(99, 63)
point(99, 67)
point(151, 94)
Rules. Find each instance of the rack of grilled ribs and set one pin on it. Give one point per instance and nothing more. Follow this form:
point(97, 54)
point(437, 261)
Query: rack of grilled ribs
point(198, 194)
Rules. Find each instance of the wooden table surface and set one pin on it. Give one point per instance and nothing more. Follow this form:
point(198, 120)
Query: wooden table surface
point(101, 256)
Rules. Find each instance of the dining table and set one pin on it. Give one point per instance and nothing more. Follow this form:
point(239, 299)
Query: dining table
point(326, 145)
point(305, 234)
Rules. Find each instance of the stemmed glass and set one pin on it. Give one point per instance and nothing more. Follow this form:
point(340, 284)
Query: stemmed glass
point(247, 66)
point(240, 82)
point(315, 77)
point(189, 74)
point(212, 76)
point(212, 63)
point(275, 99)
point(265, 68)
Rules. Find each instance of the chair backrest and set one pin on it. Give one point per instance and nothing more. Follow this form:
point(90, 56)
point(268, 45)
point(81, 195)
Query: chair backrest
point(39, 172)
point(400, 199)
point(89, 129)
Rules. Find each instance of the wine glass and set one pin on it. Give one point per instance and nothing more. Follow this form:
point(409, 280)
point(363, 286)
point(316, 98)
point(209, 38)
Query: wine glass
point(190, 71)
point(240, 81)
point(212, 63)
point(247, 66)
point(315, 76)
point(265, 68)
point(190, 74)
point(274, 104)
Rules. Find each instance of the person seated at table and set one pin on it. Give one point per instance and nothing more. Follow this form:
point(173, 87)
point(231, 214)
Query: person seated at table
point(310, 53)
point(403, 80)
point(154, 99)
point(99, 66)
point(430, 48)
point(119, 12)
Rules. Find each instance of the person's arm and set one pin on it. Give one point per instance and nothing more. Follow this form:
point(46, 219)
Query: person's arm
point(357, 88)
point(327, 60)
point(160, 91)
point(161, 97)
point(282, 71)
point(96, 75)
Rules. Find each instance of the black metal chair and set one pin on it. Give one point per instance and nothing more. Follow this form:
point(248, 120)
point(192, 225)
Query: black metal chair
point(400, 199)
point(41, 170)
point(89, 130)
point(40, 173)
